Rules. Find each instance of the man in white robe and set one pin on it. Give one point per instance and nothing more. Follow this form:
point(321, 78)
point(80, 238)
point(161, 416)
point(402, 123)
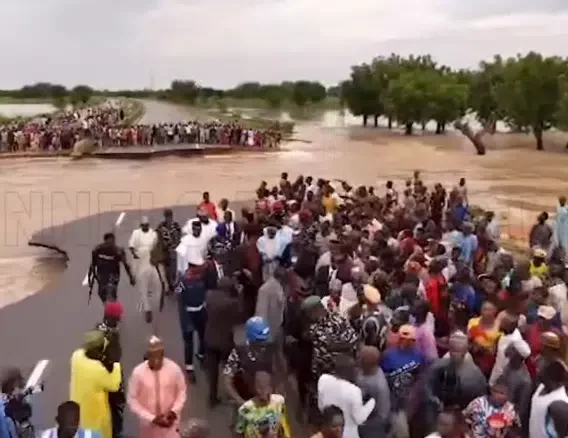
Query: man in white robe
point(193, 246)
point(209, 226)
point(141, 244)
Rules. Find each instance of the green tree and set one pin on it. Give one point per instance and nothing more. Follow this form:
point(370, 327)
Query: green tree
point(409, 97)
point(301, 93)
point(184, 91)
point(562, 109)
point(530, 94)
point(448, 101)
point(385, 72)
point(247, 90)
point(359, 93)
point(273, 94)
point(81, 94)
point(317, 92)
point(59, 94)
point(484, 84)
point(334, 91)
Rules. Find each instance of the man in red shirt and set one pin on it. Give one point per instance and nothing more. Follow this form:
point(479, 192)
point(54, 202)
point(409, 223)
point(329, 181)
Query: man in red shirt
point(208, 206)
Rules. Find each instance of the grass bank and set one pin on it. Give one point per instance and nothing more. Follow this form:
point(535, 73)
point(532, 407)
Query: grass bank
point(266, 120)
point(253, 122)
point(133, 111)
point(262, 104)
point(7, 100)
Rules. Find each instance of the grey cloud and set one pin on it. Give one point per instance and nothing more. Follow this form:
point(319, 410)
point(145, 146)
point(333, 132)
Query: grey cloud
point(99, 42)
point(490, 8)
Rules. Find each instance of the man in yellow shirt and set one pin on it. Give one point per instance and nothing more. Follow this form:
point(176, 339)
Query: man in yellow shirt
point(538, 267)
point(330, 200)
point(91, 382)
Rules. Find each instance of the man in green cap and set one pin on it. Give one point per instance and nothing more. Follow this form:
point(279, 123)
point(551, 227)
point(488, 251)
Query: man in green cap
point(91, 382)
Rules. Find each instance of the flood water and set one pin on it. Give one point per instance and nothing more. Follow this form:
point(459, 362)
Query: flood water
point(512, 179)
point(25, 109)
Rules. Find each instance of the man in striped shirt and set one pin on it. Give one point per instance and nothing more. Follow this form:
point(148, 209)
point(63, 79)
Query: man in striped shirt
point(68, 415)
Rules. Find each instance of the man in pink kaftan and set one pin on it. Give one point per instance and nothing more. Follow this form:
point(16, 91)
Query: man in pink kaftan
point(157, 392)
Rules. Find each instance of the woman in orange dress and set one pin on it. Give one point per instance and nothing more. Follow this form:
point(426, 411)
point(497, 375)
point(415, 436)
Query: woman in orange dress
point(483, 333)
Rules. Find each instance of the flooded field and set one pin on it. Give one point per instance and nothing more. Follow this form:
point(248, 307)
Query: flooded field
point(25, 109)
point(513, 179)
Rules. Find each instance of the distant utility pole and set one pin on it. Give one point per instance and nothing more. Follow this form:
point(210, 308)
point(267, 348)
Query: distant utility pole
point(152, 82)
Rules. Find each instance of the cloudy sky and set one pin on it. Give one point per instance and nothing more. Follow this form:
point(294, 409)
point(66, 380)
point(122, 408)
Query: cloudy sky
point(124, 43)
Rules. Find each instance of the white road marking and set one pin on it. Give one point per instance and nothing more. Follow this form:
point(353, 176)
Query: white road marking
point(116, 225)
point(120, 219)
point(37, 373)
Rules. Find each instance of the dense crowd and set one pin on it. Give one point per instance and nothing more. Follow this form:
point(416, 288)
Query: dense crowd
point(60, 131)
point(365, 314)
point(214, 133)
point(104, 125)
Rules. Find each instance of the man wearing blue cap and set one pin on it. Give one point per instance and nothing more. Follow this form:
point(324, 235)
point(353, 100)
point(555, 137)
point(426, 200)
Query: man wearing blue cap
point(258, 354)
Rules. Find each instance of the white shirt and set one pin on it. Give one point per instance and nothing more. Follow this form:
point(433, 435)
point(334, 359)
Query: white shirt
point(324, 260)
point(449, 271)
point(343, 308)
point(347, 397)
point(313, 188)
point(558, 296)
point(221, 214)
point(501, 361)
point(493, 230)
point(348, 292)
point(143, 242)
point(539, 409)
point(208, 230)
point(192, 250)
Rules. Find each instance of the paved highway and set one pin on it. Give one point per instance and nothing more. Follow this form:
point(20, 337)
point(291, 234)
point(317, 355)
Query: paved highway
point(51, 323)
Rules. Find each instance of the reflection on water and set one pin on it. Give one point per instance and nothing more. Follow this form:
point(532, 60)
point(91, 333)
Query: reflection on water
point(25, 109)
point(36, 195)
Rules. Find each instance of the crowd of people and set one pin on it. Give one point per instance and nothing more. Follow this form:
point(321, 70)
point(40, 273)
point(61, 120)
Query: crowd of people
point(60, 131)
point(211, 133)
point(104, 124)
point(366, 313)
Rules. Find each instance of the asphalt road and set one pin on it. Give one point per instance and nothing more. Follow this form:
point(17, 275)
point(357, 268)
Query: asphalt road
point(51, 323)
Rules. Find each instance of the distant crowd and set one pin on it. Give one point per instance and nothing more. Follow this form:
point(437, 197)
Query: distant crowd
point(60, 131)
point(190, 133)
point(104, 124)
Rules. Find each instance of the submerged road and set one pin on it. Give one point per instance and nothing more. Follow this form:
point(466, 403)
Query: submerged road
point(51, 323)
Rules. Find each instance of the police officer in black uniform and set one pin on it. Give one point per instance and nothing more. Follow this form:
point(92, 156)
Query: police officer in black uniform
point(105, 268)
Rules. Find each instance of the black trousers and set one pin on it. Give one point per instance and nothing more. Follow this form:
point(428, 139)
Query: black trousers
point(108, 288)
point(214, 357)
point(191, 322)
point(117, 401)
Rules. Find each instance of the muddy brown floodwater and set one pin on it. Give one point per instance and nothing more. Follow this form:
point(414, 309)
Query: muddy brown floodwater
point(513, 179)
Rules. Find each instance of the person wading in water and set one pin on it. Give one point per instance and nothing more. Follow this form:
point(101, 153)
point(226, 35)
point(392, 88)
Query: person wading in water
point(105, 268)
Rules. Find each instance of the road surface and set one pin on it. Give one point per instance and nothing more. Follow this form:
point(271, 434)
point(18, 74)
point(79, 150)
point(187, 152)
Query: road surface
point(51, 323)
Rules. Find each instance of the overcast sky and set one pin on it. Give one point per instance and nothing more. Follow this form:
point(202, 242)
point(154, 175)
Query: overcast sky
point(124, 43)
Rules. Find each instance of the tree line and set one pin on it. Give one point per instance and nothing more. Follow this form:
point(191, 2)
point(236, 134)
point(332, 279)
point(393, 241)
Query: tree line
point(300, 93)
point(528, 92)
point(58, 94)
